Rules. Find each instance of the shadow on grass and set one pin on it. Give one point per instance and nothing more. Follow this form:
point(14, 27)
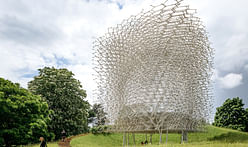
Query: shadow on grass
point(230, 137)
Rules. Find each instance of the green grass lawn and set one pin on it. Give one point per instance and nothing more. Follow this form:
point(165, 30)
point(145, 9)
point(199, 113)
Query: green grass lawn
point(213, 137)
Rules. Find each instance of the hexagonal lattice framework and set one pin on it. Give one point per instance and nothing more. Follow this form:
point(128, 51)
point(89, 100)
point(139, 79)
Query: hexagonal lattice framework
point(153, 71)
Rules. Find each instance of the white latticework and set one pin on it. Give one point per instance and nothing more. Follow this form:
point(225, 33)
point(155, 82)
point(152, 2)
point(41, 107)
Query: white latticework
point(153, 71)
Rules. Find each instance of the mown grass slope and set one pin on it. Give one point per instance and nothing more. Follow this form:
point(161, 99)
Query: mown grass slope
point(214, 137)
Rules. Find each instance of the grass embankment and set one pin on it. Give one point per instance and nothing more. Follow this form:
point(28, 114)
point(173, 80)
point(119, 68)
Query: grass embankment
point(213, 137)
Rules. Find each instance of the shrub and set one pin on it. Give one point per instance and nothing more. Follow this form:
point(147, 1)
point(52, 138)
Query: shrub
point(99, 130)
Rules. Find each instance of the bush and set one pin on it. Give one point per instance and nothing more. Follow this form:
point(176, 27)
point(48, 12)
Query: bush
point(99, 130)
point(232, 115)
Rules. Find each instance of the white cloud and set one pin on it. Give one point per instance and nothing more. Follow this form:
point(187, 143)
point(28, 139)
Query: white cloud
point(231, 80)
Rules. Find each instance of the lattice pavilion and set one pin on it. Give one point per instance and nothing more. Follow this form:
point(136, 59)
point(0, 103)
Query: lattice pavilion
point(153, 72)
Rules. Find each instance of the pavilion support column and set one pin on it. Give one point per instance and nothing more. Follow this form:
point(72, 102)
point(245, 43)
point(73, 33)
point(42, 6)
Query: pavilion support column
point(124, 139)
point(151, 138)
point(133, 139)
point(166, 136)
point(127, 139)
point(160, 139)
point(184, 137)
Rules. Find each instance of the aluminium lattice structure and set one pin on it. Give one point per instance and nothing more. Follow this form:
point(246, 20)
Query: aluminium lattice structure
point(153, 71)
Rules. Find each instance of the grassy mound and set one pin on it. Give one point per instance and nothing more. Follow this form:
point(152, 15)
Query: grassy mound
point(214, 136)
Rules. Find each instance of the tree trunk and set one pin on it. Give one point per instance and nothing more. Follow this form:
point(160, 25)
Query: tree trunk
point(7, 142)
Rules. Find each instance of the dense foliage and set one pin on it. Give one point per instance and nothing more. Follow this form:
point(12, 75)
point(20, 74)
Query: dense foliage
point(96, 130)
point(98, 112)
point(23, 116)
point(232, 115)
point(65, 96)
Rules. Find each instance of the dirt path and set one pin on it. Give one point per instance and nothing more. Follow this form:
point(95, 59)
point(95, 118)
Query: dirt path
point(67, 141)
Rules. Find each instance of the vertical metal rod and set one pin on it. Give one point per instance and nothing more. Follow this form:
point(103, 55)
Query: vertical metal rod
point(134, 139)
point(124, 139)
point(151, 138)
point(166, 136)
point(182, 138)
point(127, 139)
point(160, 140)
point(185, 136)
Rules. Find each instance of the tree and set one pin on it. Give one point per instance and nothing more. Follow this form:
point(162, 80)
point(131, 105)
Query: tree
point(231, 115)
point(65, 96)
point(23, 116)
point(98, 110)
point(246, 125)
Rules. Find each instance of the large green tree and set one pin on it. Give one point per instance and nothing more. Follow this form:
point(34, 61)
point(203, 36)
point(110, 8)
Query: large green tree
point(23, 116)
point(231, 115)
point(65, 96)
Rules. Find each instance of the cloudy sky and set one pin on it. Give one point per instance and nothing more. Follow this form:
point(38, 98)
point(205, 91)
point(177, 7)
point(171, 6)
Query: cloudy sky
point(59, 33)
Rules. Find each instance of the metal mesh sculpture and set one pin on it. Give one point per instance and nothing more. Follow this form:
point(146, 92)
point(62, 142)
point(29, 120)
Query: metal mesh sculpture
point(153, 71)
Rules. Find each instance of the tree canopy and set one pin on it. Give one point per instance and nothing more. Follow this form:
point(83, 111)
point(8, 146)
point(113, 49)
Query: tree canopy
point(65, 96)
point(23, 116)
point(232, 115)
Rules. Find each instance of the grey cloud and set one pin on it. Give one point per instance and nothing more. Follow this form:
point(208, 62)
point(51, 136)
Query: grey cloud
point(230, 43)
point(27, 32)
point(239, 91)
